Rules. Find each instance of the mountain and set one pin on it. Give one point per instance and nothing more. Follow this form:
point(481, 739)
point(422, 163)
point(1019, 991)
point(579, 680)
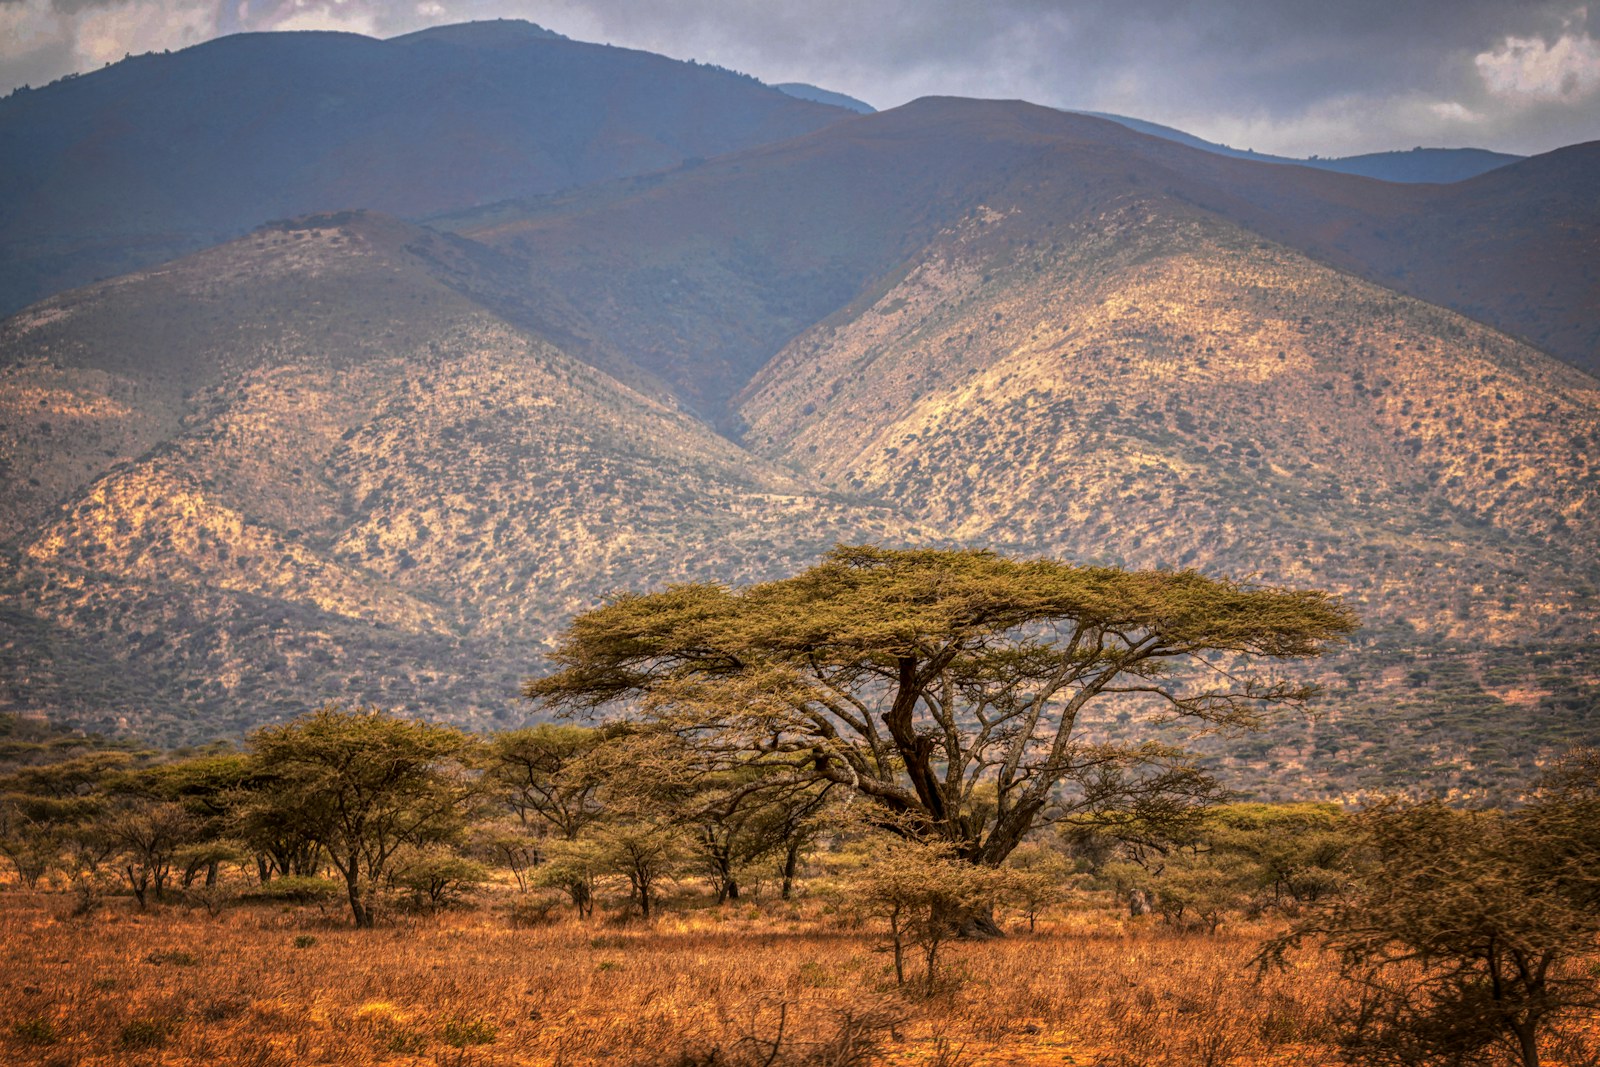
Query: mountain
point(306, 466)
point(163, 154)
point(700, 275)
point(1069, 338)
point(930, 246)
point(1436, 165)
point(825, 96)
point(349, 456)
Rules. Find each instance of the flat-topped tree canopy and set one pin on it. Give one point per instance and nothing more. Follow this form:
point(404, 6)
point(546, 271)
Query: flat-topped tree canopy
point(947, 685)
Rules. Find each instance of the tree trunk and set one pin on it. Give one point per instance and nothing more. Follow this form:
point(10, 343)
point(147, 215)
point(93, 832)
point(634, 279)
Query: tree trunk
point(1138, 903)
point(978, 925)
point(139, 882)
point(899, 938)
point(791, 864)
point(1527, 1042)
point(360, 907)
point(582, 899)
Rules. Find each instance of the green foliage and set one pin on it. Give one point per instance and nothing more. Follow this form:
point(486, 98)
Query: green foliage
point(542, 774)
point(1298, 852)
point(573, 866)
point(1229, 859)
point(438, 877)
point(644, 851)
point(1038, 878)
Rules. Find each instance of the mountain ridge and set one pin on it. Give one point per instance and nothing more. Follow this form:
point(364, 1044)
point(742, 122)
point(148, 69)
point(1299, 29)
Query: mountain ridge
point(163, 154)
point(1419, 164)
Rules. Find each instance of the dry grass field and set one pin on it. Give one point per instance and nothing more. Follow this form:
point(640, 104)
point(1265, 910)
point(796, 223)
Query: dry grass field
point(738, 986)
point(264, 985)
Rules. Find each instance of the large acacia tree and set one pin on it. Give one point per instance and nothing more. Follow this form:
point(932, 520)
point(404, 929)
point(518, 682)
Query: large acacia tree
point(949, 688)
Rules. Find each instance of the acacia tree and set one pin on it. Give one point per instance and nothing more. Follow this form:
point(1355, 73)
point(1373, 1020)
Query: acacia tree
point(365, 785)
point(731, 818)
point(919, 892)
point(1469, 932)
point(541, 773)
point(947, 687)
point(150, 834)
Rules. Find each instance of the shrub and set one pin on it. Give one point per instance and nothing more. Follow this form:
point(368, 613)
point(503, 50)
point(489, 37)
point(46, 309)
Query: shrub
point(298, 889)
point(532, 911)
point(924, 897)
point(439, 878)
point(406, 1042)
point(36, 1031)
point(459, 1033)
point(146, 1033)
point(1470, 932)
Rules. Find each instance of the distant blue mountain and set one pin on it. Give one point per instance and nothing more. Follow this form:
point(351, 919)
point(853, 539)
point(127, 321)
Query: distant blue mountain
point(1442, 165)
point(802, 91)
point(161, 154)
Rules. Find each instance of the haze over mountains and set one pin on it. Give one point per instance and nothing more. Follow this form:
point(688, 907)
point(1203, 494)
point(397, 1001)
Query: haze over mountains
point(348, 456)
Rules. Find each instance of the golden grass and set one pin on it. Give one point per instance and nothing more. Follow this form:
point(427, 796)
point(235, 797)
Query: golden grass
point(263, 986)
point(268, 986)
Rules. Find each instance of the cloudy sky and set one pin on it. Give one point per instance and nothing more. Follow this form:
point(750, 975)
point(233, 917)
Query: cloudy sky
point(1294, 77)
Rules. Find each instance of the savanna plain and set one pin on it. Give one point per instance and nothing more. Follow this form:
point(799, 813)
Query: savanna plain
point(760, 982)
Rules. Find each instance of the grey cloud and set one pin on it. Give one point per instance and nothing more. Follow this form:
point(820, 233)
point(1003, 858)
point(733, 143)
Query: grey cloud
point(1267, 66)
point(1334, 76)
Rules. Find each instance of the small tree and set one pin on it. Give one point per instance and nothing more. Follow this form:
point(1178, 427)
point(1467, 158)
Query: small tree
point(150, 835)
point(437, 877)
point(573, 866)
point(31, 833)
point(365, 785)
point(1038, 878)
point(921, 893)
point(1469, 932)
point(1298, 851)
point(543, 775)
point(51, 815)
point(643, 851)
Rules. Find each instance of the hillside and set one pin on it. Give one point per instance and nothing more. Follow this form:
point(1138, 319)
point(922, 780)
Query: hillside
point(162, 154)
point(1161, 389)
point(347, 456)
point(396, 496)
point(701, 275)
